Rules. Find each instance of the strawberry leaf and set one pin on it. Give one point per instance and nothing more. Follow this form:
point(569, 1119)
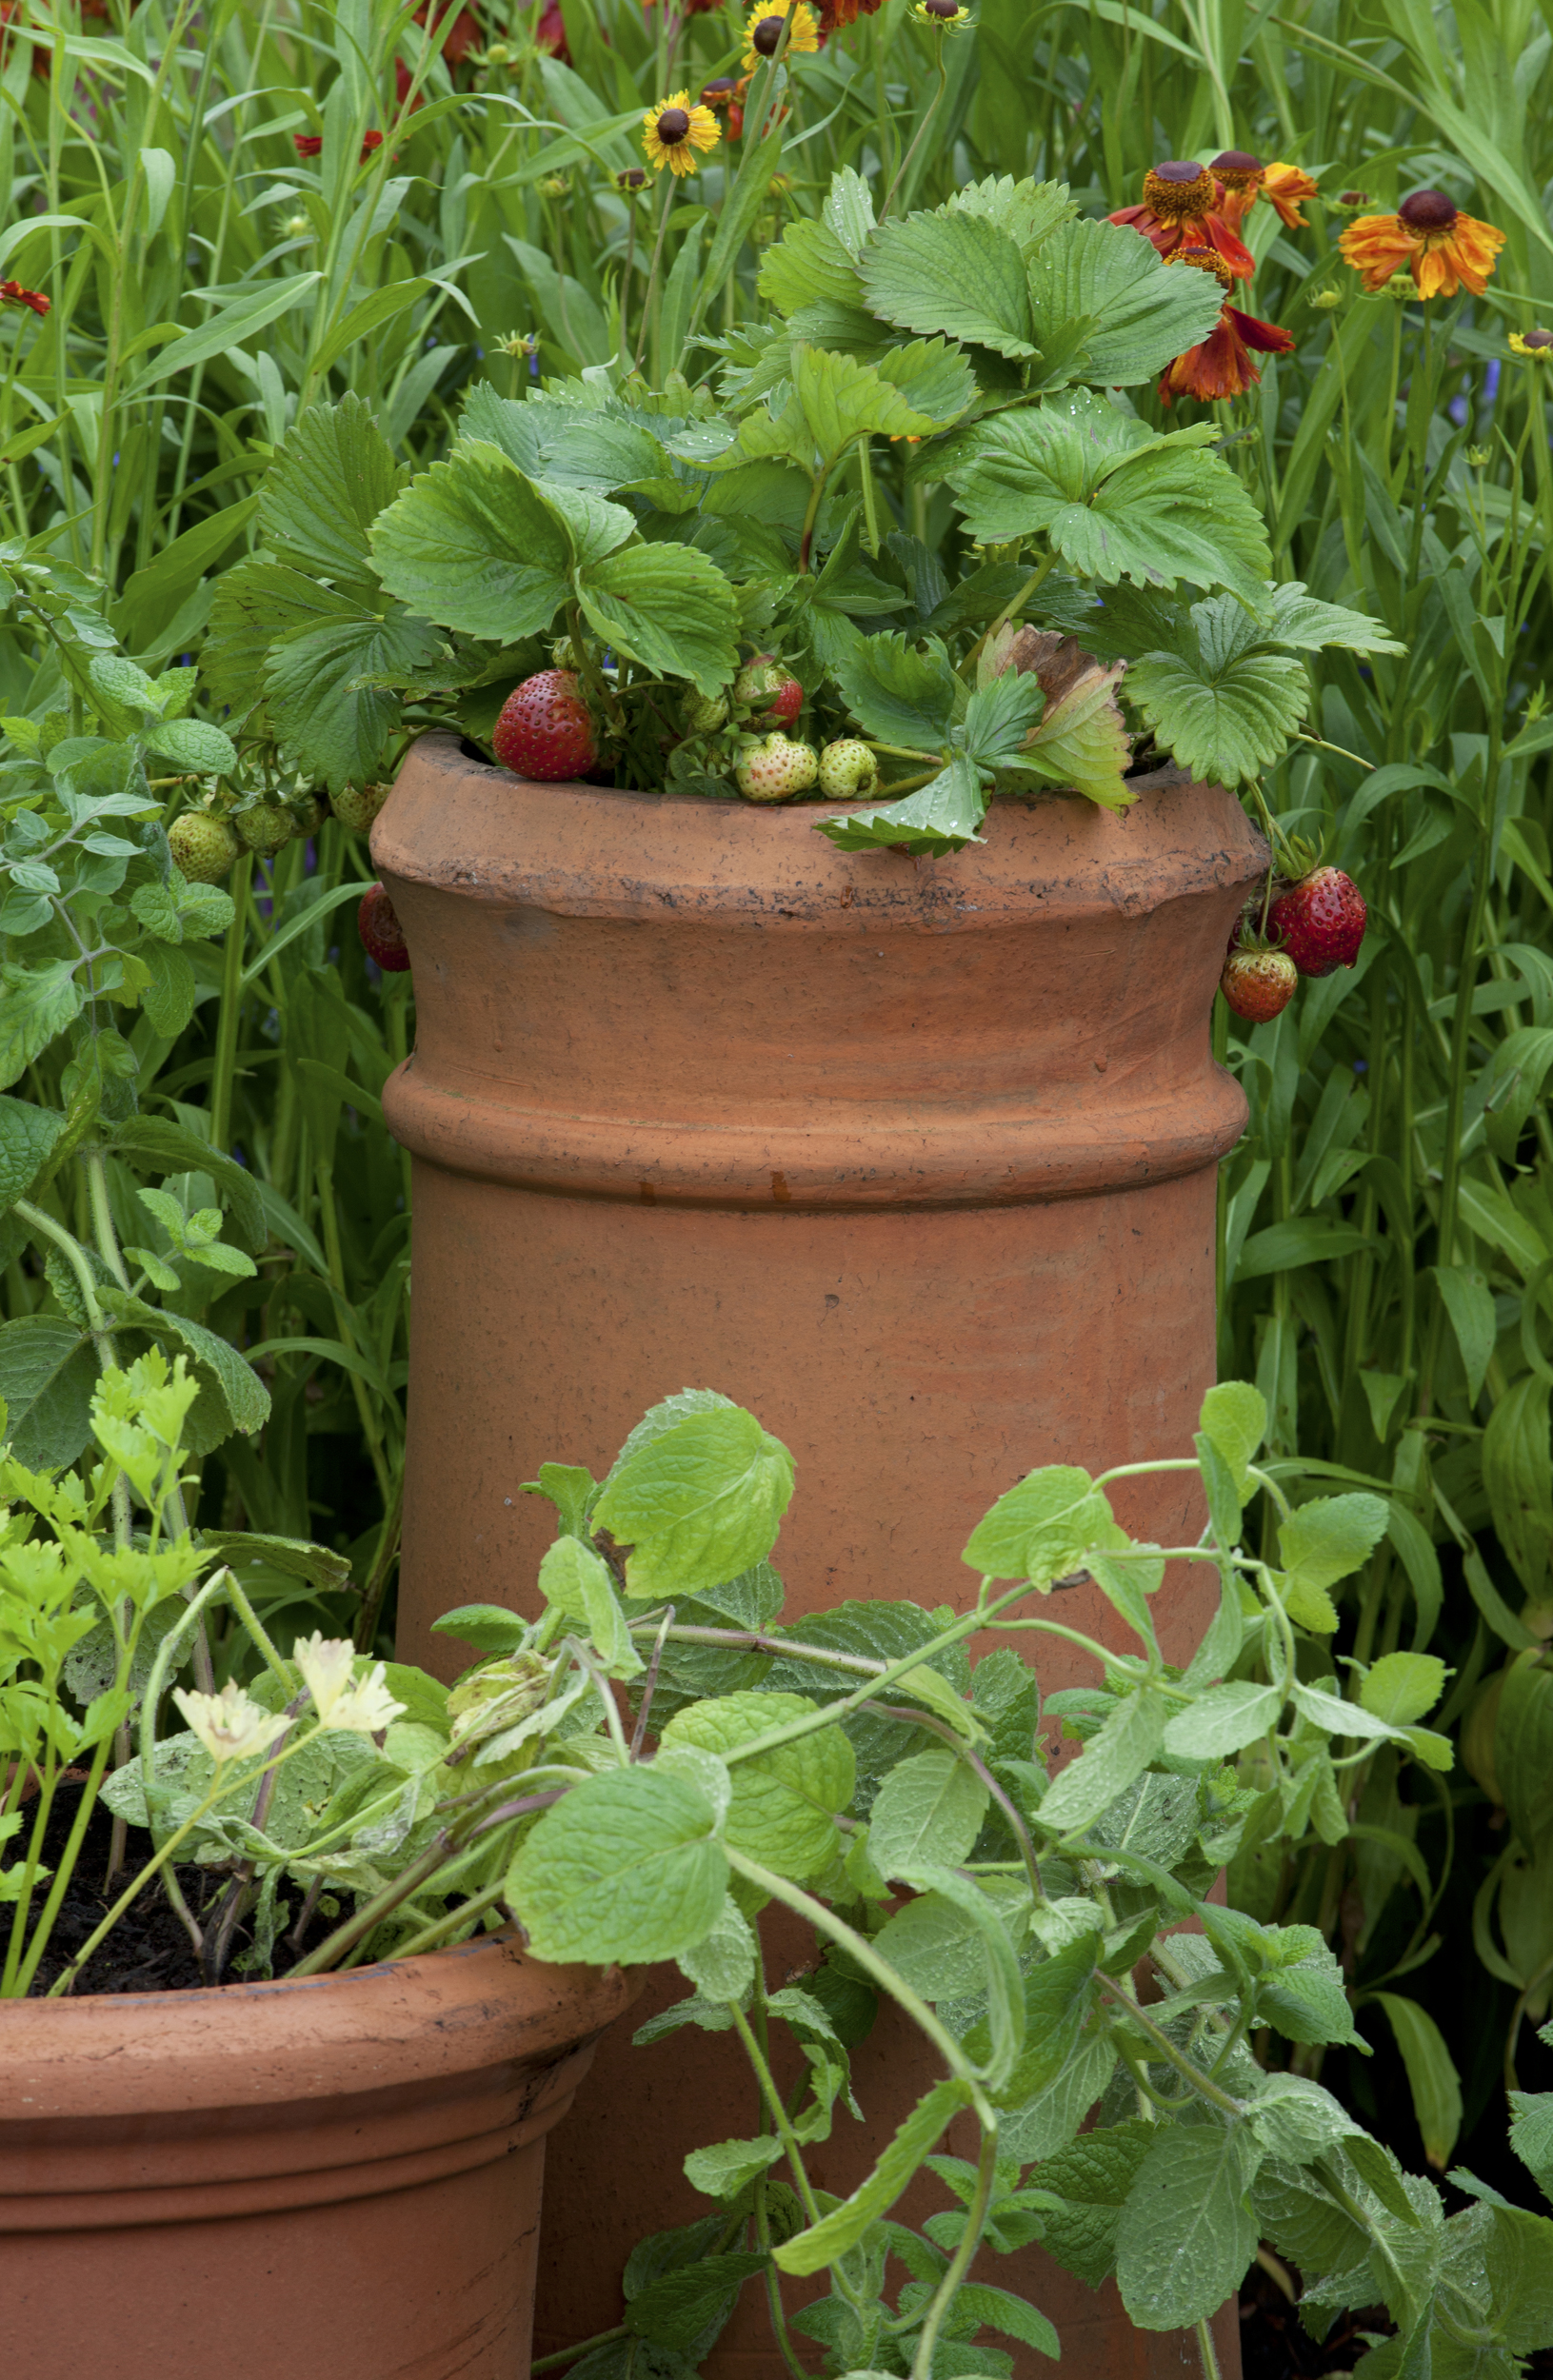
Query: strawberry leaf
point(474, 545)
point(1081, 742)
point(667, 606)
point(1140, 315)
point(1226, 725)
point(1027, 212)
point(334, 475)
point(999, 717)
point(842, 398)
point(809, 261)
point(899, 692)
point(326, 726)
point(957, 274)
point(942, 817)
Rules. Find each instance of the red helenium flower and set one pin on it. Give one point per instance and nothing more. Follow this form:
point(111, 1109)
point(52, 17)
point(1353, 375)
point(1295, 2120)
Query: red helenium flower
point(1180, 208)
point(1222, 366)
point(12, 293)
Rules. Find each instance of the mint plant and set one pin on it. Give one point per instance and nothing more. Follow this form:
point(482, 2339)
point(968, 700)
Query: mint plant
point(858, 1771)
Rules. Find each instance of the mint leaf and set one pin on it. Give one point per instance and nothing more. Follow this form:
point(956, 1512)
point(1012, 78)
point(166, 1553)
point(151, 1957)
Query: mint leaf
point(472, 543)
point(928, 1812)
point(576, 1580)
point(48, 1374)
point(845, 2225)
point(35, 1003)
point(1093, 2177)
point(955, 273)
point(1042, 1528)
point(26, 1137)
point(1402, 1686)
point(1186, 2234)
point(625, 1869)
point(785, 1801)
point(1234, 1419)
point(727, 2167)
point(667, 606)
point(942, 817)
point(1223, 1720)
point(697, 1504)
point(1326, 1539)
point(1131, 1739)
point(1138, 314)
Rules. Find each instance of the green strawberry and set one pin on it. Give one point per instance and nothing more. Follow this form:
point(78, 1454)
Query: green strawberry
point(358, 805)
point(265, 826)
point(847, 770)
point(203, 847)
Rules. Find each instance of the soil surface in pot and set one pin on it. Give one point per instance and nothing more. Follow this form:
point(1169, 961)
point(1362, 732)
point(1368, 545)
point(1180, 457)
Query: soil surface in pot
point(148, 1950)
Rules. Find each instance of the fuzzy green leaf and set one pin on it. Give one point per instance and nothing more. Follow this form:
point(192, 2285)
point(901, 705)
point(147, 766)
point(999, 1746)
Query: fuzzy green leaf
point(845, 2225)
point(785, 1801)
point(625, 1869)
point(698, 1503)
point(1186, 2231)
point(48, 1373)
point(1042, 1528)
point(928, 1812)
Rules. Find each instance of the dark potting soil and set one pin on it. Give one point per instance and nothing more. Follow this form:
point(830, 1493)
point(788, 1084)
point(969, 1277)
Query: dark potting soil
point(148, 1950)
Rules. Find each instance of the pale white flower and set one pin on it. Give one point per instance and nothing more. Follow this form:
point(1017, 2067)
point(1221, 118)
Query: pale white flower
point(230, 1725)
point(366, 1708)
point(327, 1664)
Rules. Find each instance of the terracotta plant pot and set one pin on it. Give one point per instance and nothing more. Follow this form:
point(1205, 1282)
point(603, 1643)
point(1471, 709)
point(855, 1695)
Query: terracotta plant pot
point(915, 1159)
point(335, 2176)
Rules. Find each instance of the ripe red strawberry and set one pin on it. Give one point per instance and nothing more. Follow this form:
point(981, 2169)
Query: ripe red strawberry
point(382, 936)
point(1319, 921)
point(545, 731)
point(1258, 983)
point(764, 686)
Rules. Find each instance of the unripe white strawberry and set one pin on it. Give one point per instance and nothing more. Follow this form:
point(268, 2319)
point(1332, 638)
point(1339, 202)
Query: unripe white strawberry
point(847, 770)
point(357, 806)
point(774, 769)
point(203, 847)
point(263, 826)
point(705, 713)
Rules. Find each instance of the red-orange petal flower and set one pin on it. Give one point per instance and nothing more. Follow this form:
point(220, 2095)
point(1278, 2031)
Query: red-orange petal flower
point(1222, 366)
point(1210, 230)
point(550, 34)
point(12, 293)
point(835, 13)
point(1444, 249)
point(307, 144)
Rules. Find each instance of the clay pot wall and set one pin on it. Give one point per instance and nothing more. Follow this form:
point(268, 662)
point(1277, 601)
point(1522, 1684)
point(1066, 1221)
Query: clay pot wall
point(916, 1158)
point(338, 2176)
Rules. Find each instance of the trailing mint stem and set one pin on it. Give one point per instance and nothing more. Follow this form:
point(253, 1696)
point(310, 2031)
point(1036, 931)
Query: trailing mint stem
point(1203, 2084)
point(959, 2263)
point(825, 1921)
point(1206, 2350)
point(579, 2347)
point(775, 2102)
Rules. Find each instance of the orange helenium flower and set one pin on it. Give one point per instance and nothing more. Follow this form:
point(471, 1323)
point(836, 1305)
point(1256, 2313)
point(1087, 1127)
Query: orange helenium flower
point(1181, 209)
point(1221, 365)
point(1444, 249)
point(1244, 179)
point(835, 13)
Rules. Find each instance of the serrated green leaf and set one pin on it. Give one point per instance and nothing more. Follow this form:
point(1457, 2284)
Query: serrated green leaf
point(472, 543)
point(1140, 315)
point(1114, 502)
point(1297, 619)
point(1028, 211)
point(1080, 741)
point(928, 1812)
point(1329, 1537)
point(785, 1801)
point(957, 274)
point(809, 261)
point(336, 732)
point(334, 475)
point(35, 1003)
point(625, 1869)
point(1132, 1735)
point(577, 1581)
point(727, 2167)
point(669, 606)
point(1234, 1419)
point(1402, 1686)
point(942, 817)
point(676, 2309)
point(845, 2225)
point(842, 400)
point(48, 1374)
point(1223, 1720)
point(999, 717)
point(899, 692)
point(1042, 1528)
point(1186, 2234)
point(28, 1134)
point(1093, 2177)
point(697, 1504)
point(1228, 729)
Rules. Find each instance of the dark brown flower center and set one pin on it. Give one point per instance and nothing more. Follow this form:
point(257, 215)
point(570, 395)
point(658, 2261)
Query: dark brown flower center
point(718, 94)
point(942, 7)
point(765, 35)
point(634, 178)
point(1179, 188)
point(672, 126)
point(1237, 170)
point(1538, 339)
point(1428, 211)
